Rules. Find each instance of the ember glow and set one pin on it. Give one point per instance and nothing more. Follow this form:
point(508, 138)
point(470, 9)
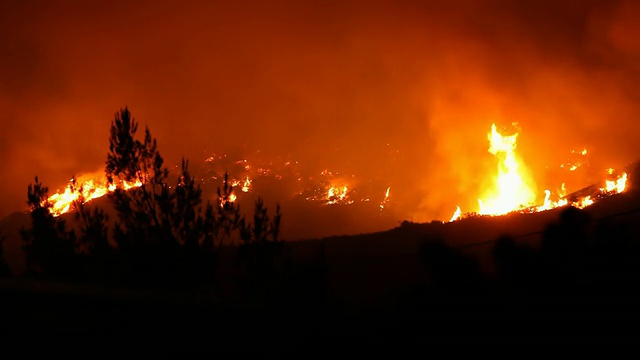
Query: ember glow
point(318, 186)
point(336, 193)
point(578, 159)
point(514, 189)
point(224, 201)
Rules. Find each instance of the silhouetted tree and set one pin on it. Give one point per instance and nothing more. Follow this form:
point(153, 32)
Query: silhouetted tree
point(186, 215)
point(260, 255)
point(140, 209)
point(5, 270)
point(93, 238)
point(97, 255)
point(448, 269)
point(565, 248)
point(162, 233)
point(516, 264)
point(228, 218)
point(49, 247)
point(146, 213)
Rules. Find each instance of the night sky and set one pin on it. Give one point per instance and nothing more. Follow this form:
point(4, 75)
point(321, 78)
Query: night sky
point(400, 89)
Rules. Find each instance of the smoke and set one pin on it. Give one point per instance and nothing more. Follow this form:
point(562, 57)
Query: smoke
point(403, 91)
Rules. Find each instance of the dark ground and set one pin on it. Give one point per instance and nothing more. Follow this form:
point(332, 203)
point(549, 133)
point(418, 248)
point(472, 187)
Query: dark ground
point(457, 324)
point(365, 296)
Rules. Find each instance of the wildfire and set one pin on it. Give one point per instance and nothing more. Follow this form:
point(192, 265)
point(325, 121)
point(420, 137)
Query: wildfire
point(89, 187)
point(513, 189)
point(327, 186)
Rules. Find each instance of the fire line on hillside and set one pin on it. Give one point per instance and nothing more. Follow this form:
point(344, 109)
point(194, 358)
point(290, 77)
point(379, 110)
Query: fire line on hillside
point(322, 187)
point(513, 189)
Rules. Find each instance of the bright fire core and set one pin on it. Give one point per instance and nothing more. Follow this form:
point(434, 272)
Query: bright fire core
point(512, 189)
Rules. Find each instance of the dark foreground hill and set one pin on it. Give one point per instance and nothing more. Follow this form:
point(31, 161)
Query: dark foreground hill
point(523, 285)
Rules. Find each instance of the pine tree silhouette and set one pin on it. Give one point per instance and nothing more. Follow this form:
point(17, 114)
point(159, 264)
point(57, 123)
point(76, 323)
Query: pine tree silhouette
point(49, 247)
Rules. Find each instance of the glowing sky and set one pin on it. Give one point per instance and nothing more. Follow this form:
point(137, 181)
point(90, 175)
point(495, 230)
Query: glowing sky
point(399, 89)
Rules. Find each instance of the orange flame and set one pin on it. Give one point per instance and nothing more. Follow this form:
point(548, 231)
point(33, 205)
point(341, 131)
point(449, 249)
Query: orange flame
point(89, 187)
point(337, 195)
point(512, 188)
point(386, 199)
point(616, 186)
point(246, 184)
point(456, 214)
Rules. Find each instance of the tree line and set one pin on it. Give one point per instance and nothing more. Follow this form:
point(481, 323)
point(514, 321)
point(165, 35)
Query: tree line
point(164, 233)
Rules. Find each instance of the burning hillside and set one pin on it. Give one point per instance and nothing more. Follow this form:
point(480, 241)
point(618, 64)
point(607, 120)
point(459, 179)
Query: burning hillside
point(514, 190)
point(85, 188)
point(513, 186)
point(321, 187)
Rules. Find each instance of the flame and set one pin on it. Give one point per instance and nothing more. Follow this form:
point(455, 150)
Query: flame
point(577, 160)
point(337, 195)
point(511, 188)
point(246, 184)
point(616, 186)
point(385, 200)
point(456, 214)
point(89, 187)
point(583, 203)
point(512, 192)
point(549, 204)
point(231, 199)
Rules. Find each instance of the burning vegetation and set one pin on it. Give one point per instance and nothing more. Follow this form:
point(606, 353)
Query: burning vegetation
point(514, 188)
point(324, 187)
point(85, 188)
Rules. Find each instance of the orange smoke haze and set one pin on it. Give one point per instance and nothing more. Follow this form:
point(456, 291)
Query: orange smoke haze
point(401, 92)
